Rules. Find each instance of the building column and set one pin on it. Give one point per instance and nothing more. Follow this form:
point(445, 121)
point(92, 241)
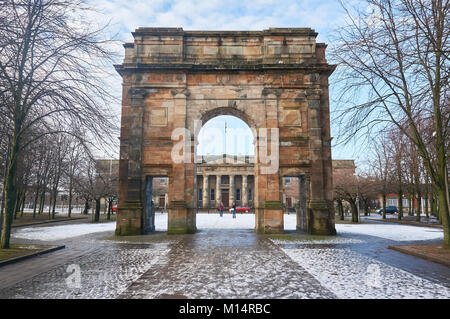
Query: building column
point(244, 190)
point(205, 191)
point(232, 189)
point(218, 192)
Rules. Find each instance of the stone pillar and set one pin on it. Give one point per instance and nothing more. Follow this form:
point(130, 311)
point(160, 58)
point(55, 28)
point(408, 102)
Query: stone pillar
point(182, 214)
point(320, 222)
point(205, 191)
point(268, 199)
point(131, 191)
point(244, 194)
point(232, 190)
point(302, 204)
point(218, 192)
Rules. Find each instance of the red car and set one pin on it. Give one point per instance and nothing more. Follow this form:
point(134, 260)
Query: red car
point(241, 209)
point(114, 209)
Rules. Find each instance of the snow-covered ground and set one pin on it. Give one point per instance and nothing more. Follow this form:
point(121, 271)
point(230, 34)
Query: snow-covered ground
point(52, 233)
point(344, 271)
point(395, 232)
point(349, 274)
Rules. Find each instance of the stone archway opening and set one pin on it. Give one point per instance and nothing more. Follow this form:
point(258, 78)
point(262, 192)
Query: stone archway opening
point(225, 167)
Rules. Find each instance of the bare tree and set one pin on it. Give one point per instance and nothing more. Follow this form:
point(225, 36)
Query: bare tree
point(395, 58)
point(381, 169)
point(90, 185)
point(346, 189)
point(74, 156)
point(397, 149)
point(51, 56)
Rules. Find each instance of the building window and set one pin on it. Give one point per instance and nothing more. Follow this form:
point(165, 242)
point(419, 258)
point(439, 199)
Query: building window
point(250, 195)
point(405, 202)
point(200, 194)
point(392, 202)
point(238, 194)
point(213, 194)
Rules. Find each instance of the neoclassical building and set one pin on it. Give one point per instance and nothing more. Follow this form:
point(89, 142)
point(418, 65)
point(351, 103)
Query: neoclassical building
point(225, 179)
point(230, 179)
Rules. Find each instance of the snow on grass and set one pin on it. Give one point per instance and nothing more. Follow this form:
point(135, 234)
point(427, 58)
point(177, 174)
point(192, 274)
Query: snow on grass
point(52, 233)
point(395, 232)
point(212, 221)
point(349, 274)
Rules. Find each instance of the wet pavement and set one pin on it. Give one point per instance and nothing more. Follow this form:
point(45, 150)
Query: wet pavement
point(224, 263)
point(227, 264)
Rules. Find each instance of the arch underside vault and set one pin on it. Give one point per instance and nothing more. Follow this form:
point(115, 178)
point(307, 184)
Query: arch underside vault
point(178, 84)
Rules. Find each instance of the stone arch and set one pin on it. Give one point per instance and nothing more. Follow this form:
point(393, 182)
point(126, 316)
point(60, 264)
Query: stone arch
point(212, 113)
point(186, 76)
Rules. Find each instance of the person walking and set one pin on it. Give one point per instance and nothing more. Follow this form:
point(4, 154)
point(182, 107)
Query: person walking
point(221, 209)
point(234, 210)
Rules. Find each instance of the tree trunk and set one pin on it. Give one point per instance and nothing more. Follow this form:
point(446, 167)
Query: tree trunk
point(50, 204)
point(384, 205)
point(411, 204)
point(70, 199)
point(24, 198)
point(97, 210)
point(443, 213)
point(400, 205)
point(341, 210)
point(109, 209)
point(16, 204)
point(55, 196)
point(354, 209)
point(10, 190)
point(42, 202)
point(86, 205)
point(433, 206)
point(419, 206)
point(36, 196)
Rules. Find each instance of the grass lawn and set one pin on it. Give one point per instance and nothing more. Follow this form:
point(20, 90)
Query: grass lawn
point(347, 220)
point(411, 220)
point(27, 218)
point(433, 252)
point(292, 236)
point(20, 250)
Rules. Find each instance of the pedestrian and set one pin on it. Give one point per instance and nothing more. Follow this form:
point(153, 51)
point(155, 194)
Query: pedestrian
point(234, 210)
point(221, 209)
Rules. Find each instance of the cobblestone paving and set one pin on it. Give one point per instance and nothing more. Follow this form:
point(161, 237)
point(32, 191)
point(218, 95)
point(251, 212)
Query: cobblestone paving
point(105, 272)
point(227, 264)
point(224, 264)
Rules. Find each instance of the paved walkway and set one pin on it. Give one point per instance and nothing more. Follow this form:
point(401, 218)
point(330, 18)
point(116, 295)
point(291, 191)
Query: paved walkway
point(221, 264)
point(227, 264)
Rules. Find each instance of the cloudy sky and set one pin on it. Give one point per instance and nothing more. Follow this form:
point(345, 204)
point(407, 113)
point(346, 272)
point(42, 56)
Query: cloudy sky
point(321, 15)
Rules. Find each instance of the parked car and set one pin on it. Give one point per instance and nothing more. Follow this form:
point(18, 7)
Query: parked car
point(389, 210)
point(114, 209)
point(241, 209)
